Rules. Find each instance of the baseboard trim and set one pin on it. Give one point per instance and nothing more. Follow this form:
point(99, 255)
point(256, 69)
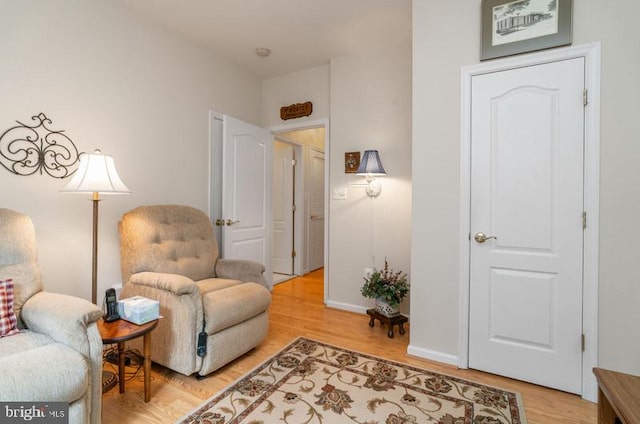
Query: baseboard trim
point(347, 307)
point(433, 355)
point(354, 308)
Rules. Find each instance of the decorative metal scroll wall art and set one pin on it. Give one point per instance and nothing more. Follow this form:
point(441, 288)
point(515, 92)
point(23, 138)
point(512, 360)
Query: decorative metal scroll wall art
point(27, 149)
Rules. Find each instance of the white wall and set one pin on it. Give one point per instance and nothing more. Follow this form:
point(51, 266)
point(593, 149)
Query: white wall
point(368, 97)
point(299, 87)
point(619, 293)
point(435, 193)
point(115, 81)
point(370, 109)
point(309, 85)
point(436, 139)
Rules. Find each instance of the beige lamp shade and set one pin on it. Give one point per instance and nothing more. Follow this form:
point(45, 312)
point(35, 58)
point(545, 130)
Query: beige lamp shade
point(96, 174)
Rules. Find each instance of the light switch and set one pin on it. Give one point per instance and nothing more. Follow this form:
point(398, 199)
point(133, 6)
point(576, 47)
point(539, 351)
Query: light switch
point(340, 193)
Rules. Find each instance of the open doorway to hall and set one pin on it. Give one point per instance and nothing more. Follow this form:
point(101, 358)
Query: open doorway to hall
point(298, 202)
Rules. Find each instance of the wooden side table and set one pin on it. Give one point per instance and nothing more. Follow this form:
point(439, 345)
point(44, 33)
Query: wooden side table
point(398, 320)
point(618, 397)
point(119, 332)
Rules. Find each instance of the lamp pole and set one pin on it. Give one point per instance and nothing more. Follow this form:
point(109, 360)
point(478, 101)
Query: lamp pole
point(94, 260)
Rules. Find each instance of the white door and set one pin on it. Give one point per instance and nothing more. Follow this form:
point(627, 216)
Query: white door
point(283, 207)
point(246, 192)
point(525, 316)
point(316, 211)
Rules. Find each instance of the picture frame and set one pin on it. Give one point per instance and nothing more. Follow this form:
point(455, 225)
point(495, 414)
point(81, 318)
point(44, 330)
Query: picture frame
point(351, 162)
point(518, 26)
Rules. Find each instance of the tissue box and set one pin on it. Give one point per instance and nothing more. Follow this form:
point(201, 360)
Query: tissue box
point(138, 309)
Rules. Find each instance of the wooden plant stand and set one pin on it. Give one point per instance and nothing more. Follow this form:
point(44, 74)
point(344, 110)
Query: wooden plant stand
point(398, 320)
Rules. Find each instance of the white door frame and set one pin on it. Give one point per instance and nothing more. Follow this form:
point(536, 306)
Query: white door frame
point(305, 125)
point(591, 53)
point(214, 176)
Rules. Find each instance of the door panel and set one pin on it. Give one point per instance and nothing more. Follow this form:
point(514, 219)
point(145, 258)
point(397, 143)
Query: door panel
point(246, 200)
point(283, 203)
point(316, 211)
point(511, 312)
point(524, 159)
point(527, 191)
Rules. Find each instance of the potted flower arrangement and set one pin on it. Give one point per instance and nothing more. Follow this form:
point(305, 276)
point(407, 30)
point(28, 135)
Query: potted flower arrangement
point(388, 288)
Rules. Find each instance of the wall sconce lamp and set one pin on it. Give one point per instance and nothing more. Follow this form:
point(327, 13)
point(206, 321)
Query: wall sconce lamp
point(96, 174)
point(371, 167)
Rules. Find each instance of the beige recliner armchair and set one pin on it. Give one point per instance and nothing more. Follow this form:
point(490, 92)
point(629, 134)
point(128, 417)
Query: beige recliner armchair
point(213, 309)
point(57, 354)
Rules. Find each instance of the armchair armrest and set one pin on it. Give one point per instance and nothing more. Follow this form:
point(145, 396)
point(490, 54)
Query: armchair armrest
point(172, 283)
point(64, 318)
point(240, 269)
point(181, 309)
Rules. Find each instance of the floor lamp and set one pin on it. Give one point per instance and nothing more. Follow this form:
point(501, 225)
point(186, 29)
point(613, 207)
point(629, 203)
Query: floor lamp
point(96, 174)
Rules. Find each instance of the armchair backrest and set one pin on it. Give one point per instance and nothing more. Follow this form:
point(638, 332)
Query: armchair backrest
point(171, 239)
point(19, 257)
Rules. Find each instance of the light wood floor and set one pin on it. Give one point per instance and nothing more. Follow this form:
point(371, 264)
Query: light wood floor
point(297, 310)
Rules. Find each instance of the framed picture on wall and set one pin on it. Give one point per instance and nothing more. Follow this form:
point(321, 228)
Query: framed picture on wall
point(510, 27)
point(351, 162)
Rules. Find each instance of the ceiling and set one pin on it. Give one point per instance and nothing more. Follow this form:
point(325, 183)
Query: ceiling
point(301, 34)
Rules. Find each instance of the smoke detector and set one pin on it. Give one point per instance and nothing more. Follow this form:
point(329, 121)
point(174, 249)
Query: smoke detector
point(263, 52)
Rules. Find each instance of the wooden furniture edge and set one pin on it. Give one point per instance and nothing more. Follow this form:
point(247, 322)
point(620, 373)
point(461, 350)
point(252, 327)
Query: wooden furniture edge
point(618, 396)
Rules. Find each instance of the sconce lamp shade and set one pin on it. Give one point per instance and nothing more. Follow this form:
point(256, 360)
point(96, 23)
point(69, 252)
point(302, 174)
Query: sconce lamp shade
point(371, 164)
point(371, 167)
point(96, 174)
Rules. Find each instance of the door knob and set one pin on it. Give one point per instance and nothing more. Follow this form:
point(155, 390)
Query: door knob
point(482, 237)
point(219, 222)
point(230, 222)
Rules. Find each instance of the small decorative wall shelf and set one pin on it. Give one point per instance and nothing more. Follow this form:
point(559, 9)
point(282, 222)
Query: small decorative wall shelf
point(27, 149)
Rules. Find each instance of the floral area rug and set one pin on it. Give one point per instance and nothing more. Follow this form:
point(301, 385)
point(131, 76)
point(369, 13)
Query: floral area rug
point(313, 382)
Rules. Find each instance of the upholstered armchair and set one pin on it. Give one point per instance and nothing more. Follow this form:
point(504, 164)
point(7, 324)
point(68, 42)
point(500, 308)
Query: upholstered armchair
point(213, 310)
point(56, 353)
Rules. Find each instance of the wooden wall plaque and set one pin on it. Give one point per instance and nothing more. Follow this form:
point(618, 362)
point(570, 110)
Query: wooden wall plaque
point(297, 110)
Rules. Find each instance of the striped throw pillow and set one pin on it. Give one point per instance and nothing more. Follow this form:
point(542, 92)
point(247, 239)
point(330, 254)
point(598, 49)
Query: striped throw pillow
point(8, 321)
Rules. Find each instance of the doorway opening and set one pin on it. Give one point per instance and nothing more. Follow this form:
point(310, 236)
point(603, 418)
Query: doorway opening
point(307, 206)
point(306, 144)
point(298, 202)
point(286, 199)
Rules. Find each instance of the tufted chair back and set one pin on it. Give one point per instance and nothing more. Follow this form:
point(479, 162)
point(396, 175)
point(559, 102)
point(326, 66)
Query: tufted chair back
point(172, 239)
point(18, 257)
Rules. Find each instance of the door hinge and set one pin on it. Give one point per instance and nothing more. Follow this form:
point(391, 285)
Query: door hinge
point(293, 253)
point(294, 162)
point(583, 340)
point(584, 220)
point(585, 97)
point(294, 208)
